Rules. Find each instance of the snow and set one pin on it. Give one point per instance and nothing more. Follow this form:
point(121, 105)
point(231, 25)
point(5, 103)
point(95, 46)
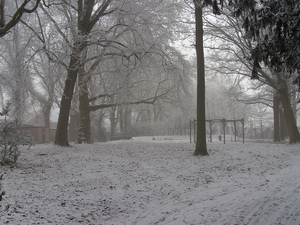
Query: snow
point(145, 181)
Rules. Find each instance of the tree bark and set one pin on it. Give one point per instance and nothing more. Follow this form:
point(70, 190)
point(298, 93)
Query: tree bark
point(84, 134)
point(61, 136)
point(283, 129)
point(2, 15)
point(289, 116)
point(85, 23)
point(201, 148)
point(276, 103)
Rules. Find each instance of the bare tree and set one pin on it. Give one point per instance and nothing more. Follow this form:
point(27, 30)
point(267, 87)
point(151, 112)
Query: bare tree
point(127, 36)
point(15, 73)
point(47, 77)
point(89, 13)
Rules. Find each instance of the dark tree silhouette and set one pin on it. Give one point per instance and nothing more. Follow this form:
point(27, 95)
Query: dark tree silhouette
point(275, 28)
point(201, 147)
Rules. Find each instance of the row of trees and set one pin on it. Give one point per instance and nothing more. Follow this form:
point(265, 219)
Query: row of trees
point(116, 55)
point(231, 51)
point(270, 32)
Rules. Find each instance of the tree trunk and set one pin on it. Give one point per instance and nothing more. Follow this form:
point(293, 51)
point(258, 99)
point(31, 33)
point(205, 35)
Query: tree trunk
point(101, 131)
point(61, 136)
point(127, 123)
point(283, 129)
point(46, 112)
point(112, 121)
point(2, 16)
point(73, 126)
point(84, 134)
point(276, 103)
point(201, 148)
point(289, 116)
point(121, 118)
point(85, 23)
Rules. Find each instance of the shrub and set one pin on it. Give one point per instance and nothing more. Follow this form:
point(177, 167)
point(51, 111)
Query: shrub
point(11, 139)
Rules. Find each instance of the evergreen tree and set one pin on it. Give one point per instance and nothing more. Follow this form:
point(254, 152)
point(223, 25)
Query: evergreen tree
point(275, 27)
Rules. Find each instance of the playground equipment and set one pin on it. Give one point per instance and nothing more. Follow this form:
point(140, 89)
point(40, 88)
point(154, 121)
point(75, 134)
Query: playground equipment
point(193, 124)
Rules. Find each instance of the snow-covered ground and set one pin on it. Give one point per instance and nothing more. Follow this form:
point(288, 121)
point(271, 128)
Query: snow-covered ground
point(145, 181)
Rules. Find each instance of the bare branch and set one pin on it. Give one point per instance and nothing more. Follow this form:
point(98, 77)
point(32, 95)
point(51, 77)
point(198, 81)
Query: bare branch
point(95, 98)
point(56, 26)
point(17, 16)
point(151, 101)
point(99, 13)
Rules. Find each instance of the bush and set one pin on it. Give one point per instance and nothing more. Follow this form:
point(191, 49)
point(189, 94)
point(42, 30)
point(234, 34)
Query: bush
point(11, 139)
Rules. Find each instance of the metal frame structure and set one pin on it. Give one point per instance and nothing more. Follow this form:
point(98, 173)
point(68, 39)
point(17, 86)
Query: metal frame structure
point(193, 124)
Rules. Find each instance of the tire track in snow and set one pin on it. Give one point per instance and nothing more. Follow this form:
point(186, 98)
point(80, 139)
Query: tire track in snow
point(195, 207)
point(275, 201)
point(279, 205)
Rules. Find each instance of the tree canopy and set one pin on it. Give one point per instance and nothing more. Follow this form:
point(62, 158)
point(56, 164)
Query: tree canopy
point(275, 27)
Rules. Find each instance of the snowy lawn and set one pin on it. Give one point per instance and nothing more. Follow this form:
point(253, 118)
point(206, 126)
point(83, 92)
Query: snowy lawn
point(144, 181)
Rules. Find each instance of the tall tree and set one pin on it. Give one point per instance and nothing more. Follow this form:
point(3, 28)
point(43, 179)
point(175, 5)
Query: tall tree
point(201, 148)
point(89, 13)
